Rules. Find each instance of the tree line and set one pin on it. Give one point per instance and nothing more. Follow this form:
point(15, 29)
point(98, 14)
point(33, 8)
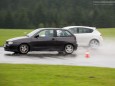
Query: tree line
point(55, 13)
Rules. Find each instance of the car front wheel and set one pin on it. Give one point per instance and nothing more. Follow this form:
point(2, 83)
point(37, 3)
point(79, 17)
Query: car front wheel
point(23, 48)
point(69, 49)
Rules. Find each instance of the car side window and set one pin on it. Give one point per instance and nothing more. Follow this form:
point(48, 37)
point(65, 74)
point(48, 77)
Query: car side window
point(84, 30)
point(46, 33)
point(63, 33)
point(73, 30)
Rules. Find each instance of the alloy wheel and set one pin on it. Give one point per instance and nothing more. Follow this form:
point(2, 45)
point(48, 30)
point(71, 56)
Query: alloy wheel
point(24, 48)
point(69, 49)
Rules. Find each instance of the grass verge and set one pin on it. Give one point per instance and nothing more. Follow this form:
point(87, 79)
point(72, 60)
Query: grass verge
point(107, 32)
point(47, 75)
point(6, 34)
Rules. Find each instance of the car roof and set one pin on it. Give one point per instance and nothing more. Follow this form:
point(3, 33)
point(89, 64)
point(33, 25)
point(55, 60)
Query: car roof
point(51, 29)
point(48, 28)
point(79, 26)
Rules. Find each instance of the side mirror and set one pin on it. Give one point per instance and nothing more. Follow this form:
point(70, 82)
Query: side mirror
point(36, 36)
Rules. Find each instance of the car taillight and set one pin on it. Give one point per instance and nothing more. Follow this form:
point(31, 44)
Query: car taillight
point(100, 34)
point(75, 38)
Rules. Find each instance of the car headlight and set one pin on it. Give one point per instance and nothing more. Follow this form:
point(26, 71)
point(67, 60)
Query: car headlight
point(10, 42)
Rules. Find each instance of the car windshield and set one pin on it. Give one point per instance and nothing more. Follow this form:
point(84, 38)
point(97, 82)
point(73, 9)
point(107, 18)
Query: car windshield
point(33, 33)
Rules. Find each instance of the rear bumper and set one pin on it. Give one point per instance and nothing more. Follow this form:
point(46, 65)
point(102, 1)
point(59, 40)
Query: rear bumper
point(75, 46)
point(101, 41)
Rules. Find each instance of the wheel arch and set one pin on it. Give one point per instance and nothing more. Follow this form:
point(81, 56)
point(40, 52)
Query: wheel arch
point(70, 44)
point(94, 39)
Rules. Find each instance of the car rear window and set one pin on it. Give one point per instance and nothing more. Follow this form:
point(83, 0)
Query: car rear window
point(63, 33)
point(84, 30)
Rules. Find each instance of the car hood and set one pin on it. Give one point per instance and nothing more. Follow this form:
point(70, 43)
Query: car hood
point(18, 38)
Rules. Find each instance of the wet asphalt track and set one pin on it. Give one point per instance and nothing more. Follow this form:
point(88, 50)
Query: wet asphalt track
point(102, 57)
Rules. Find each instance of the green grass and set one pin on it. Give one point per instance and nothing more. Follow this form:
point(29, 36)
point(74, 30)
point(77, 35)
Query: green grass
point(10, 33)
point(107, 32)
point(47, 75)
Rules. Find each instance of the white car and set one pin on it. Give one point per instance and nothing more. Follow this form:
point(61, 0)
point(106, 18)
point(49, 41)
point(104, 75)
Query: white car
point(86, 36)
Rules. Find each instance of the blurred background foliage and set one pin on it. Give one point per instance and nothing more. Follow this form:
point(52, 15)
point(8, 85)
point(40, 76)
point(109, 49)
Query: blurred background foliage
point(55, 13)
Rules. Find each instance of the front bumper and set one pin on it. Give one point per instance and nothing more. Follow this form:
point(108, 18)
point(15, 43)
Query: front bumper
point(12, 47)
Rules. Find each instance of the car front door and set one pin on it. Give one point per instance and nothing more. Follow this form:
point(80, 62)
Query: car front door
point(43, 40)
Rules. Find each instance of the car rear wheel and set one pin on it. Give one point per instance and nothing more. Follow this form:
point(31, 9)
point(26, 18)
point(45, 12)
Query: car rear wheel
point(69, 49)
point(23, 48)
point(94, 43)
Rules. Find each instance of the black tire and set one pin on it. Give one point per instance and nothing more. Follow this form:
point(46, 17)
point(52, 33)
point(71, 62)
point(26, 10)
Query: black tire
point(94, 43)
point(23, 48)
point(69, 49)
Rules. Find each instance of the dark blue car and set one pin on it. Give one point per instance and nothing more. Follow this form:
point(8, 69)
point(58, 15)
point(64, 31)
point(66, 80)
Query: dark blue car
point(43, 39)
